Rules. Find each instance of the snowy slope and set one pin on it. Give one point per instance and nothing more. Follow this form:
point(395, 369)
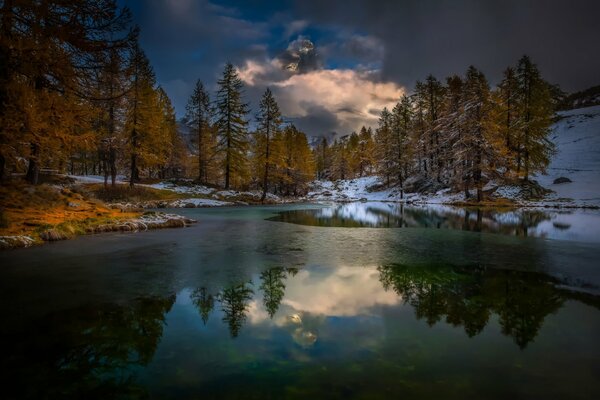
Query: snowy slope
point(577, 138)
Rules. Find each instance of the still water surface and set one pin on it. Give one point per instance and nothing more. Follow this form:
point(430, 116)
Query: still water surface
point(292, 302)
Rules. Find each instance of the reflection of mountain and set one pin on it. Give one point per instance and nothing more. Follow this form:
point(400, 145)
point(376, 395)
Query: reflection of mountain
point(468, 297)
point(86, 352)
point(388, 215)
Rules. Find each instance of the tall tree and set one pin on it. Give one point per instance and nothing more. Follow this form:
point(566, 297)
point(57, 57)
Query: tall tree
point(269, 124)
point(141, 111)
point(383, 139)
point(535, 117)
point(507, 102)
point(434, 92)
point(198, 115)
point(50, 53)
point(366, 151)
point(479, 130)
point(400, 140)
point(231, 123)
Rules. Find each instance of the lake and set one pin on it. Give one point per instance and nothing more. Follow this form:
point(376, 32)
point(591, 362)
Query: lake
point(346, 301)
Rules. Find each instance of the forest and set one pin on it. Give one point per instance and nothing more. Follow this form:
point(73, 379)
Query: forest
point(79, 96)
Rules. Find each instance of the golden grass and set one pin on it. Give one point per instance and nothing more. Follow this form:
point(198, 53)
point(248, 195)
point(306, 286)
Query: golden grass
point(50, 212)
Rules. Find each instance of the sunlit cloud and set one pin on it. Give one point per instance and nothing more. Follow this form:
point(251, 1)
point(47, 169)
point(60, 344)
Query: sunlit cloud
point(352, 98)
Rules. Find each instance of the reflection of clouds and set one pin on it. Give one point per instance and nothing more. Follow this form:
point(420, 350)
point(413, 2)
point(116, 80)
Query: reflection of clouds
point(256, 312)
point(345, 291)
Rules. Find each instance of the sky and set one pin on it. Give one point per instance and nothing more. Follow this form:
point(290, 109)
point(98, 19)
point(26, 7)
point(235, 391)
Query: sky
point(334, 64)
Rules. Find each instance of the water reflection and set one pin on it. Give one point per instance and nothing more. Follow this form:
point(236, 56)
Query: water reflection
point(82, 352)
point(522, 222)
point(466, 296)
point(98, 351)
point(204, 301)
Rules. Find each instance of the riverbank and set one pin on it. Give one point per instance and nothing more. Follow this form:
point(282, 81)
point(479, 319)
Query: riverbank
point(31, 215)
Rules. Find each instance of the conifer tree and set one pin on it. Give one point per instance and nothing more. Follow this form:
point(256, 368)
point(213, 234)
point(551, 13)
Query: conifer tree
point(198, 116)
point(383, 138)
point(142, 109)
point(479, 131)
point(451, 121)
point(535, 117)
point(507, 102)
point(269, 123)
point(50, 53)
point(434, 92)
point(365, 150)
point(400, 131)
point(231, 124)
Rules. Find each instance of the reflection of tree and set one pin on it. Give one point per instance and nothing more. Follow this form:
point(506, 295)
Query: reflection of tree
point(467, 297)
point(475, 219)
point(234, 302)
point(273, 288)
point(88, 352)
point(522, 300)
point(204, 301)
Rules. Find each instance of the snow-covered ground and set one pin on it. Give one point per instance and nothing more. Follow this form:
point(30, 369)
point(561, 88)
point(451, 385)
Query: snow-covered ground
point(577, 138)
point(576, 135)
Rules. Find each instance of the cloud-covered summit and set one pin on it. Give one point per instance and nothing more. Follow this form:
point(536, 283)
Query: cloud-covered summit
point(318, 100)
point(363, 51)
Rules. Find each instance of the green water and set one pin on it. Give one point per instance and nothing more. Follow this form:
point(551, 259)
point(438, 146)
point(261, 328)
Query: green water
point(243, 305)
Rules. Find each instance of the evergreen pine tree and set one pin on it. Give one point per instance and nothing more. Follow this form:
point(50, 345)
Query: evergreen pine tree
point(231, 123)
point(198, 116)
point(269, 123)
point(535, 117)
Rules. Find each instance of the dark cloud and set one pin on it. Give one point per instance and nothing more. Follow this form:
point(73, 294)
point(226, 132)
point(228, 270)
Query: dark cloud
point(359, 46)
point(444, 37)
point(318, 121)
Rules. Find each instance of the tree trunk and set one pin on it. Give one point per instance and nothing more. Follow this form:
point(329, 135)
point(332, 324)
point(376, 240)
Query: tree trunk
point(2, 166)
point(33, 170)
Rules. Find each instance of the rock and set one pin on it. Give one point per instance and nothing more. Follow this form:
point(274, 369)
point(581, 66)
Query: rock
point(562, 179)
point(189, 205)
point(51, 235)
point(73, 204)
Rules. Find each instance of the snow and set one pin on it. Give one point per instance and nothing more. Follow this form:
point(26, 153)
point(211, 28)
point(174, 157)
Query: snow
point(351, 190)
point(186, 189)
point(576, 135)
point(196, 202)
point(577, 138)
point(96, 178)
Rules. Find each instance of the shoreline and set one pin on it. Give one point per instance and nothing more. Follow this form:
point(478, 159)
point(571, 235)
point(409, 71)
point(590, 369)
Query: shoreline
point(149, 220)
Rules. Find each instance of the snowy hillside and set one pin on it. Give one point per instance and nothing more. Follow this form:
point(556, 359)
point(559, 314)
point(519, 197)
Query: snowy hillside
point(577, 139)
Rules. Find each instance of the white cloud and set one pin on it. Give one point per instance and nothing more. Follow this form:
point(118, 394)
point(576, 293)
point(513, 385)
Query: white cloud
point(353, 97)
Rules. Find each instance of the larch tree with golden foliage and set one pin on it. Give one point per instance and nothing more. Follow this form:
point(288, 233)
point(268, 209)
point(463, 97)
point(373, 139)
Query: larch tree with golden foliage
point(267, 153)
